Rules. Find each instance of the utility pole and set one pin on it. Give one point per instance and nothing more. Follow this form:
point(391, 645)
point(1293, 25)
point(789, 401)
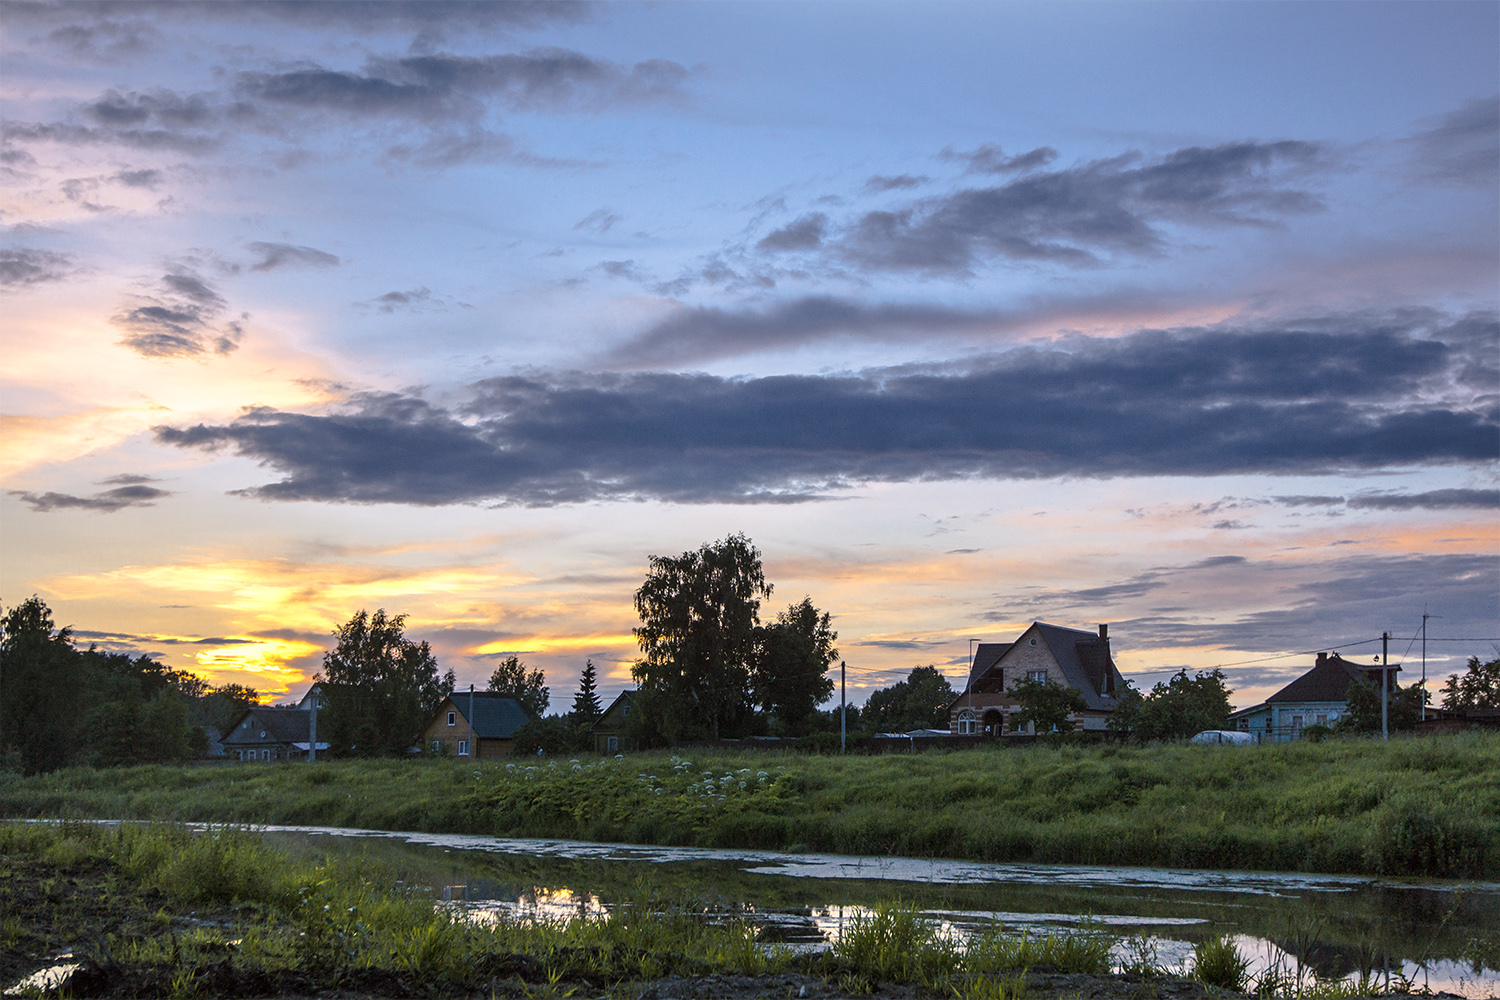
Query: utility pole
point(312, 726)
point(1385, 681)
point(843, 707)
point(1425, 616)
point(472, 754)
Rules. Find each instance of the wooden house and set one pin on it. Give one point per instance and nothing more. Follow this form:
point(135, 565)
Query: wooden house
point(1066, 656)
point(269, 734)
point(474, 724)
point(609, 731)
point(1319, 697)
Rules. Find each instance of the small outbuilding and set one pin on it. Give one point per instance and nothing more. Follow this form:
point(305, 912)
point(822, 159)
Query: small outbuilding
point(609, 731)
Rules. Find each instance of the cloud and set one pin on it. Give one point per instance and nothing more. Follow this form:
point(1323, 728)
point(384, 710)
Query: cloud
point(600, 220)
point(414, 300)
point(1309, 501)
point(1077, 215)
point(21, 266)
point(445, 86)
point(1461, 148)
point(1433, 499)
point(134, 495)
point(278, 255)
point(805, 233)
point(991, 159)
point(179, 321)
point(1186, 402)
point(152, 120)
point(901, 182)
point(708, 332)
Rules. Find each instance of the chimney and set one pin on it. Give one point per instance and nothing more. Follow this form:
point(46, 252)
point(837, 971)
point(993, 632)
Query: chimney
point(1322, 659)
point(1103, 633)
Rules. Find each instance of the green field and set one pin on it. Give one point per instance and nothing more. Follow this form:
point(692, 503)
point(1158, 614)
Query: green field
point(1407, 807)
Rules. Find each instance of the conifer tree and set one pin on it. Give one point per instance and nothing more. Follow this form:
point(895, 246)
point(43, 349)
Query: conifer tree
point(586, 708)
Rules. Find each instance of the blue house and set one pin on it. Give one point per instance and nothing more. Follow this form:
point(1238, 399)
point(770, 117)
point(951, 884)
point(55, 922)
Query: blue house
point(1319, 697)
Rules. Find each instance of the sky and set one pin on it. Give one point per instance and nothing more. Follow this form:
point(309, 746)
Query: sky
point(1181, 317)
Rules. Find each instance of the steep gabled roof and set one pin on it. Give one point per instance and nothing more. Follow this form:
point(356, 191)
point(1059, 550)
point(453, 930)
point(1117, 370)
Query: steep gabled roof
point(496, 716)
point(623, 698)
point(1085, 662)
point(284, 725)
point(1328, 680)
point(985, 655)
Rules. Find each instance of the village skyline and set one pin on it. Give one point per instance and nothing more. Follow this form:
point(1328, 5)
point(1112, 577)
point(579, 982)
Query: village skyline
point(1179, 318)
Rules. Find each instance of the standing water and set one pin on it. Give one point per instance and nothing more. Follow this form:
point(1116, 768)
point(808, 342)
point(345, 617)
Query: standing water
point(1419, 934)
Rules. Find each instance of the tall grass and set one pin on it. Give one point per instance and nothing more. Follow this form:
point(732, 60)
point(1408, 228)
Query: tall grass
point(1405, 807)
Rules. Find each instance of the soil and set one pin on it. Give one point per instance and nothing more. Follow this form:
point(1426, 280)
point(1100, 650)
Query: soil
point(70, 913)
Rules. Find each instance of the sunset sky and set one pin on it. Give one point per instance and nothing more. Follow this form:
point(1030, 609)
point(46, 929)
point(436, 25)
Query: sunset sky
point(1183, 317)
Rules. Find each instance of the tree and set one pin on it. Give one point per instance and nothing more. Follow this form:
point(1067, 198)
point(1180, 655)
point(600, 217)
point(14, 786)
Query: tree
point(1403, 708)
point(919, 702)
point(1046, 703)
point(380, 686)
point(698, 615)
point(44, 685)
point(1174, 710)
point(1479, 687)
point(511, 678)
point(586, 707)
point(792, 658)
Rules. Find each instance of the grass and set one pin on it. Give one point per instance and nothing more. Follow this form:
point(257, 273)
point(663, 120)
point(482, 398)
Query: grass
point(1410, 806)
point(338, 924)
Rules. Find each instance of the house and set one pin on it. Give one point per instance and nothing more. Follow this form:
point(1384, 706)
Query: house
point(1066, 656)
point(1319, 697)
point(490, 727)
point(609, 731)
point(267, 734)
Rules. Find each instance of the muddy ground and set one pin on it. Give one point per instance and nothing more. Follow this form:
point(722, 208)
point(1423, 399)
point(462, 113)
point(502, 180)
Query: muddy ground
point(85, 910)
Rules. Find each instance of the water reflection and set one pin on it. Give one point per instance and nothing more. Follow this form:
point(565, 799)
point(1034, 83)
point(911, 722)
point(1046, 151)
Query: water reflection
point(1337, 927)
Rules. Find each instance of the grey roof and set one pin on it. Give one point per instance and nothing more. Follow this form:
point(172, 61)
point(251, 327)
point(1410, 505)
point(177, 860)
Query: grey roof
point(625, 697)
point(985, 655)
point(1328, 680)
point(1085, 662)
point(496, 716)
point(281, 725)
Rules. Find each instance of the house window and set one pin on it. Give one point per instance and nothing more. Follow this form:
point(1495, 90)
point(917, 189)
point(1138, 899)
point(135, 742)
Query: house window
point(1296, 723)
point(612, 743)
point(965, 724)
point(463, 748)
point(452, 718)
point(1323, 718)
point(1038, 676)
point(1033, 642)
point(625, 710)
point(265, 755)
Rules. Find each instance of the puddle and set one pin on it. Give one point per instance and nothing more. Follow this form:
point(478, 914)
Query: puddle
point(1335, 926)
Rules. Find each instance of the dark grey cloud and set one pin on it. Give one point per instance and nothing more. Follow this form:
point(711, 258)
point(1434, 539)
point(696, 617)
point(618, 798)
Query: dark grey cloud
point(21, 266)
point(279, 255)
point(180, 320)
point(448, 86)
point(85, 22)
point(414, 300)
point(107, 502)
point(144, 178)
point(1078, 215)
point(1187, 402)
point(900, 182)
point(1432, 499)
point(805, 233)
point(151, 120)
point(709, 332)
point(991, 159)
point(1301, 500)
point(1461, 148)
point(128, 638)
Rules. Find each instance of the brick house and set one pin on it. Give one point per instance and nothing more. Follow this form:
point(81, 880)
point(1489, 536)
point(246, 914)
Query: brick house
point(1066, 656)
point(492, 729)
point(267, 734)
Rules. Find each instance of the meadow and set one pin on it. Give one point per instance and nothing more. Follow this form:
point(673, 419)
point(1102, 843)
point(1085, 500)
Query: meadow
point(1428, 807)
